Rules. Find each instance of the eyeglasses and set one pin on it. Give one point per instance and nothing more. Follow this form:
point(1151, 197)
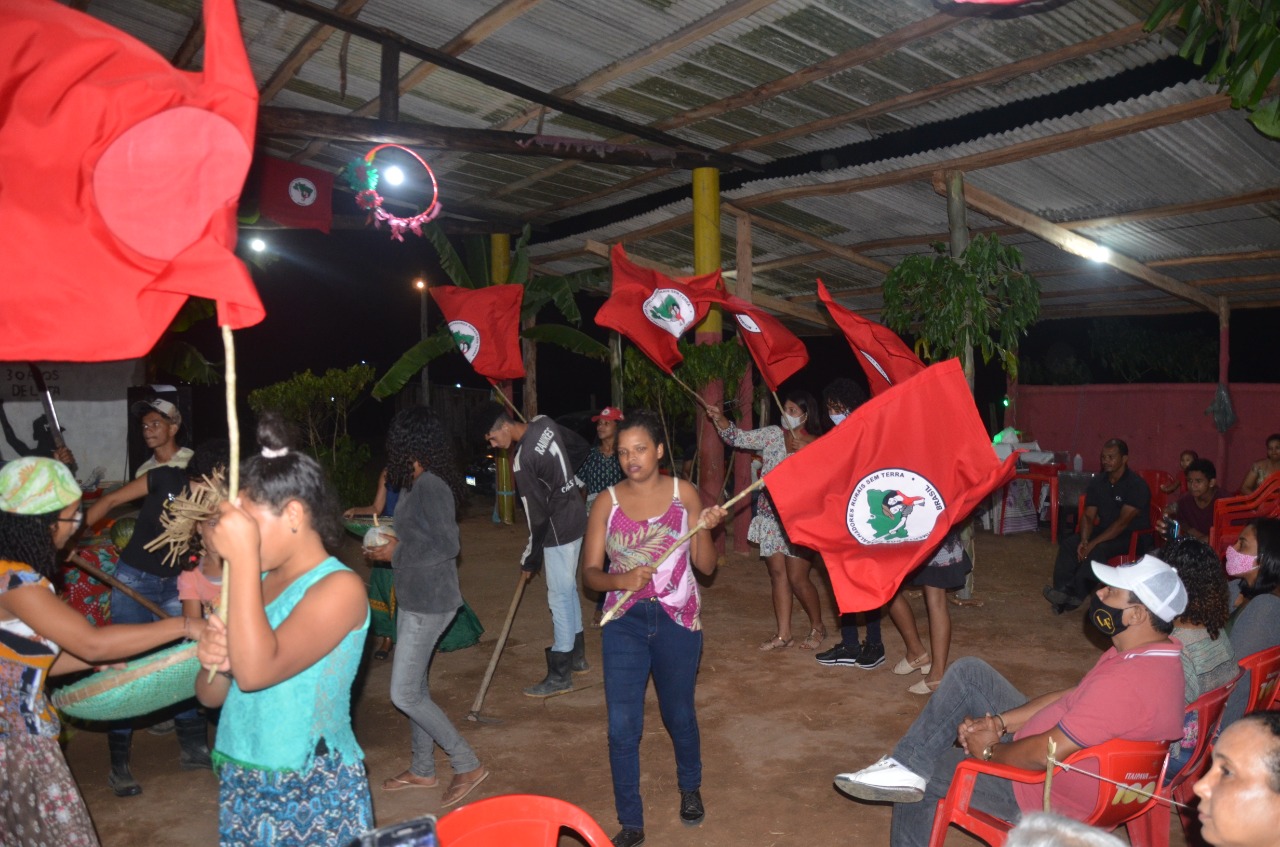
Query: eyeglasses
point(76, 522)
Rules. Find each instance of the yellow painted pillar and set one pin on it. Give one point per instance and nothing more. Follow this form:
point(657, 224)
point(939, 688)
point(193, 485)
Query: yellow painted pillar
point(706, 259)
point(499, 272)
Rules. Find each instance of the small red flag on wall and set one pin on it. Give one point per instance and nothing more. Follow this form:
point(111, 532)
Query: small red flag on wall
point(296, 195)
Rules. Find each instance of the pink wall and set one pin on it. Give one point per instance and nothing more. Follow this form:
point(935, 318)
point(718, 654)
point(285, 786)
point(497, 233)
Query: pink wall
point(1158, 421)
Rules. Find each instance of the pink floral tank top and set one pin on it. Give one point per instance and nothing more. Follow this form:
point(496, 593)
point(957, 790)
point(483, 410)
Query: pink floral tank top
point(630, 543)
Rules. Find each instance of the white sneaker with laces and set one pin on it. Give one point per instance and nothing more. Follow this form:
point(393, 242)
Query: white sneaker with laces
point(887, 781)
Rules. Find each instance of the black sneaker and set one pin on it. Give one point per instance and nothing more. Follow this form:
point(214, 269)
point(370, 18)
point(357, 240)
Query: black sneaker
point(841, 654)
point(691, 811)
point(870, 656)
point(628, 838)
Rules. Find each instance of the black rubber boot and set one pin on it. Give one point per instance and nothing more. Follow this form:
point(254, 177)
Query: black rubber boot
point(559, 676)
point(193, 738)
point(121, 778)
point(580, 664)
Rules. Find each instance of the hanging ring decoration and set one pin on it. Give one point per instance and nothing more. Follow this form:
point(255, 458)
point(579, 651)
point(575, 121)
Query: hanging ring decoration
point(362, 176)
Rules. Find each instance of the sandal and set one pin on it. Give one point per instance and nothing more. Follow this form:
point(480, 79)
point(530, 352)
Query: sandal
point(776, 643)
point(383, 649)
point(920, 663)
point(815, 638)
point(409, 779)
point(924, 686)
point(462, 785)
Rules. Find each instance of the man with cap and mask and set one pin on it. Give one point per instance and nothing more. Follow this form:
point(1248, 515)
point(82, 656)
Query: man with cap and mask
point(1135, 692)
point(161, 421)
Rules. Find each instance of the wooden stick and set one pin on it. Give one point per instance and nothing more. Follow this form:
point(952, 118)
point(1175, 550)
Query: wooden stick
point(474, 714)
point(1048, 773)
point(107, 579)
point(510, 405)
point(776, 400)
point(692, 393)
point(233, 469)
point(626, 595)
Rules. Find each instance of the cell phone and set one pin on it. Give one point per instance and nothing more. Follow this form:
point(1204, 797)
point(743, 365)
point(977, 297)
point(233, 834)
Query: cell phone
point(1171, 529)
point(419, 832)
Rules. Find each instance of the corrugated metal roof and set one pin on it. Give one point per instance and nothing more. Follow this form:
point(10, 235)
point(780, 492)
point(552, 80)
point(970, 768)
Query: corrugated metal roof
point(565, 45)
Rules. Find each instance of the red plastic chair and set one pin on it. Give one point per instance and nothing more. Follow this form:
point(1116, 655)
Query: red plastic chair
point(1126, 762)
point(527, 820)
point(1230, 514)
point(1152, 829)
point(1263, 668)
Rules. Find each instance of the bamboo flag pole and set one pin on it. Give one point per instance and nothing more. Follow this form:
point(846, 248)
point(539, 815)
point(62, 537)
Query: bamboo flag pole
point(233, 469)
point(626, 595)
point(509, 404)
point(1048, 772)
point(695, 395)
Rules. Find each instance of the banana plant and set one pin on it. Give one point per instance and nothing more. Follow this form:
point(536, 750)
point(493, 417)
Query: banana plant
point(539, 292)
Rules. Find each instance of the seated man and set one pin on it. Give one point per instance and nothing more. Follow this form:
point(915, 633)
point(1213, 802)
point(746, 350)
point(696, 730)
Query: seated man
point(1118, 500)
point(1133, 692)
point(1194, 510)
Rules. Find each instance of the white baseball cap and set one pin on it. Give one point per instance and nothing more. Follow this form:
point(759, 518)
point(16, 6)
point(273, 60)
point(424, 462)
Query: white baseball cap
point(161, 407)
point(1155, 584)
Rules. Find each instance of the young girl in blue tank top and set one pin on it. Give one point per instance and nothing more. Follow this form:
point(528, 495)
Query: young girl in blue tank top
point(289, 768)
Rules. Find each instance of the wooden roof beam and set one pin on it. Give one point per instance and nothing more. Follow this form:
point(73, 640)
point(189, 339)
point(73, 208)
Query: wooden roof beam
point(273, 120)
point(1172, 210)
point(1214, 258)
point(307, 46)
point(1065, 239)
point(438, 57)
point(830, 247)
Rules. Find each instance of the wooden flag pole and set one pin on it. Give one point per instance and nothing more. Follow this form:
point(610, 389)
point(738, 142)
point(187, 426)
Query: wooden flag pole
point(507, 401)
point(233, 467)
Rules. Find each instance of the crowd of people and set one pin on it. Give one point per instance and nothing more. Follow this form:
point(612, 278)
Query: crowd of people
point(1178, 621)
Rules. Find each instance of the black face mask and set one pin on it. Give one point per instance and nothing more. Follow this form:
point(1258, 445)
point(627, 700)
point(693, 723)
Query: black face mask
point(1106, 618)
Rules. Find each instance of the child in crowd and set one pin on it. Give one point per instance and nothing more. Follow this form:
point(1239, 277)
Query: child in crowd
point(659, 630)
point(1185, 458)
point(289, 767)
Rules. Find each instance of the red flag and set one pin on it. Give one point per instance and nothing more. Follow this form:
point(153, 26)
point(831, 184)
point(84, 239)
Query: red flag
point(119, 180)
point(884, 358)
point(877, 494)
point(296, 195)
point(777, 352)
point(653, 310)
point(485, 323)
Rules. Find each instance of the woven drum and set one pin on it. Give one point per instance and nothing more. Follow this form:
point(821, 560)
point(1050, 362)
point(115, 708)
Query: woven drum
point(142, 686)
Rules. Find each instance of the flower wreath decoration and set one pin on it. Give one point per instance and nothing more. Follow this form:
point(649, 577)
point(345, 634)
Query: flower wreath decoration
point(362, 176)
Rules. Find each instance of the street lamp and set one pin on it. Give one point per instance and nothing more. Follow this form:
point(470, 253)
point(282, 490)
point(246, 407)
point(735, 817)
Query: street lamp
point(421, 284)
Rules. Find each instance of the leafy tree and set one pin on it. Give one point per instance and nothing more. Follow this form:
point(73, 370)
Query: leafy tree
point(983, 299)
point(318, 405)
point(1246, 35)
point(1138, 353)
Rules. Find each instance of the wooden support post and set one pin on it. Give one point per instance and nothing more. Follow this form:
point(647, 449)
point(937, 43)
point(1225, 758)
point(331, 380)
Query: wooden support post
point(742, 459)
point(499, 271)
point(389, 83)
point(706, 258)
point(615, 371)
point(958, 223)
point(1224, 362)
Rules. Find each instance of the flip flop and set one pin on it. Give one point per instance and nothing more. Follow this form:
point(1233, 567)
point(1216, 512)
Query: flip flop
point(409, 780)
point(460, 788)
point(776, 643)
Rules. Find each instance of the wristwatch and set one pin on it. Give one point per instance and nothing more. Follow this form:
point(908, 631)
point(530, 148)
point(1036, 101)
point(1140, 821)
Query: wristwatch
point(988, 753)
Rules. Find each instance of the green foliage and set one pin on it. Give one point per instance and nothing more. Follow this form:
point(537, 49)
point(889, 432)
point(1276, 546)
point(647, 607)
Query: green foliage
point(520, 267)
point(318, 406)
point(180, 359)
point(984, 300)
point(1135, 353)
point(573, 340)
point(450, 262)
point(418, 356)
point(646, 386)
point(1246, 35)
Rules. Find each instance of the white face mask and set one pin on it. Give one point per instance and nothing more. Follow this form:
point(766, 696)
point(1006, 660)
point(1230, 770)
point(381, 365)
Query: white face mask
point(836, 419)
point(791, 421)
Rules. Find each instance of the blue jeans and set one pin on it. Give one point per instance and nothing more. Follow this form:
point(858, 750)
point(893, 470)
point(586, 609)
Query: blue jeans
point(161, 590)
point(561, 567)
point(970, 688)
point(646, 641)
point(416, 639)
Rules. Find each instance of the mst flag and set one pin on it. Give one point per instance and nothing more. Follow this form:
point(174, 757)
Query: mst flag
point(777, 352)
point(485, 323)
point(876, 495)
point(653, 310)
point(884, 358)
point(296, 195)
point(119, 181)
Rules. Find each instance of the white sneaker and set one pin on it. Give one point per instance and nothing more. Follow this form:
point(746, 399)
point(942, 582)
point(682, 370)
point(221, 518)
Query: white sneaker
point(886, 781)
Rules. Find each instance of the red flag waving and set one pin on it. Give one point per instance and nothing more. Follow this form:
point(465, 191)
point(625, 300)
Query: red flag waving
point(877, 494)
point(777, 352)
point(119, 180)
point(884, 358)
point(653, 310)
point(485, 323)
point(296, 195)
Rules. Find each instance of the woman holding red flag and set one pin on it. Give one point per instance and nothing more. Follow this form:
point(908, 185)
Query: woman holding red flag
point(789, 566)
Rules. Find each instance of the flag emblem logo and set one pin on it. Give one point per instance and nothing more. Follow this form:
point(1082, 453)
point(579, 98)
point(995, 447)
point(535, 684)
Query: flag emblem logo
point(467, 337)
point(670, 309)
point(302, 191)
point(746, 323)
point(893, 505)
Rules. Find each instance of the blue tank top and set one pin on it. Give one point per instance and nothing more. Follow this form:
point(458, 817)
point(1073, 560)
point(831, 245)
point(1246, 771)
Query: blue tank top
point(279, 728)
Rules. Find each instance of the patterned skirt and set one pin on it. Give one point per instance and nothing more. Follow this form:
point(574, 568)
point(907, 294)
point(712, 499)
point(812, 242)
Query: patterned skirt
point(327, 804)
point(40, 805)
point(382, 603)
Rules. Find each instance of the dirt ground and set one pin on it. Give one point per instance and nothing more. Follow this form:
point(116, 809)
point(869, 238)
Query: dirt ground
point(776, 727)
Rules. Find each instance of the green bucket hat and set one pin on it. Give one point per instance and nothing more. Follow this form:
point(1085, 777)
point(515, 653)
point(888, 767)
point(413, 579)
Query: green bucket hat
point(36, 486)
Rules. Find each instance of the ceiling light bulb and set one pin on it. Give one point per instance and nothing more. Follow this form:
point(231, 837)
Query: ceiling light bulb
point(393, 175)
